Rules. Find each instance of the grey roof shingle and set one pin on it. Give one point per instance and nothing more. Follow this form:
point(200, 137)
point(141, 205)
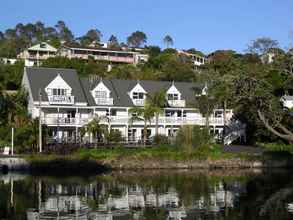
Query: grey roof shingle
point(120, 88)
point(41, 77)
point(81, 88)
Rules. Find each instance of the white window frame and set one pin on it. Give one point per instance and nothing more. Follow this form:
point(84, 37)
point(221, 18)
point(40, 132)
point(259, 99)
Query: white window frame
point(59, 92)
point(136, 95)
point(101, 94)
point(173, 96)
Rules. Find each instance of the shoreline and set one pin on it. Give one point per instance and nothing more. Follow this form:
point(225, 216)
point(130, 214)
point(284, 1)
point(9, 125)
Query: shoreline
point(153, 164)
point(81, 166)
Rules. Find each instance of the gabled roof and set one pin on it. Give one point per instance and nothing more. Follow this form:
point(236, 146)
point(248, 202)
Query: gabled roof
point(120, 89)
point(39, 78)
point(43, 47)
point(81, 88)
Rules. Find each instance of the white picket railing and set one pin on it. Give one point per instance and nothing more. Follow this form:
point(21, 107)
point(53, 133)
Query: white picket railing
point(235, 130)
point(118, 120)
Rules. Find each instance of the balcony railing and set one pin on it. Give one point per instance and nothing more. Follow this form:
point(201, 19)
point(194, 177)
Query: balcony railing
point(138, 102)
point(61, 99)
point(119, 59)
point(117, 120)
point(176, 103)
point(55, 121)
point(104, 101)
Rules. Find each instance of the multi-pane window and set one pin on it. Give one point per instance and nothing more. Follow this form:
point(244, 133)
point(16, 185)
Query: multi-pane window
point(138, 95)
point(184, 114)
point(173, 96)
point(101, 94)
point(60, 92)
point(169, 113)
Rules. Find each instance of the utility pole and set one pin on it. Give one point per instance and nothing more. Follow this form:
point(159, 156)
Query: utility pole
point(12, 140)
point(40, 122)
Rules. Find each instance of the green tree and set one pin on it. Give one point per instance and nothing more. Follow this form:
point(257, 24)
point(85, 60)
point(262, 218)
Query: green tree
point(168, 41)
point(205, 103)
point(257, 94)
point(137, 39)
point(96, 129)
point(262, 45)
point(93, 35)
point(158, 101)
point(113, 42)
point(144, 114)
point(64, 33)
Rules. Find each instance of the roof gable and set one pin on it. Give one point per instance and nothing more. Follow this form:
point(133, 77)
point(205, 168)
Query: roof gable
point(173, 90)
point(43, 47)
point(41, 78)
point(137, 88)
point(101, 86)
point(58, 83)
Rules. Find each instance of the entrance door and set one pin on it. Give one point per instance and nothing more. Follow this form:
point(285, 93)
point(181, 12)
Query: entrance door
point(149, 132)
point(132, 134)
point(70, 117)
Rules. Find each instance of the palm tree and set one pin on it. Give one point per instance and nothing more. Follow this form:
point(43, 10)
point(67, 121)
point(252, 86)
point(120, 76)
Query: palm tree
point(144, 114)
point(158, 101)
point(168, 41)
point(95, 129)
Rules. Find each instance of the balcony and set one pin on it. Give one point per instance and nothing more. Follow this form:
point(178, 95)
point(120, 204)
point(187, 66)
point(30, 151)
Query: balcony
point(115, 120)
point(176, 103)
point(138, 102)
point(61, 99)
point(104, 101)
point(55, 121)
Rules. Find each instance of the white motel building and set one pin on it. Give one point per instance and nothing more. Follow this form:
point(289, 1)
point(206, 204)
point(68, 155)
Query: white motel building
point(68, 102)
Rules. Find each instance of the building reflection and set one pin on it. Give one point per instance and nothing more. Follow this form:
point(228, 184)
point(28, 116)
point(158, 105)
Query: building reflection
point(109, 201)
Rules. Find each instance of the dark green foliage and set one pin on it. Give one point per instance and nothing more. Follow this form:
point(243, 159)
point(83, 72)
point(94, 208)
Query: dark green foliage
point(113, 42)
point(193, 137)
point(93, 35)
point(114, 136)
point(194, 51)
point(82, 67)
point(161, 139)
point(11, 76)
point(137, 39)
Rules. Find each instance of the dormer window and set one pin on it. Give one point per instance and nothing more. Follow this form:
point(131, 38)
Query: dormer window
point(173, 96)
point(138, 95)
point(101, 94)
point(59, 91)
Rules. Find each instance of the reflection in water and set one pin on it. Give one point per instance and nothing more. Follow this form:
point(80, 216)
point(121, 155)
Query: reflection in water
point(175, 196)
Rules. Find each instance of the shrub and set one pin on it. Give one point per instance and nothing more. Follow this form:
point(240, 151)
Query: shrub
point(192, 137)
point(161, 139)
point(277, 147)
point(115, 136)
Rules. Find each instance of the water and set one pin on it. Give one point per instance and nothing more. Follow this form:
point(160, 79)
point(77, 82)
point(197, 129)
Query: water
point(153, 195)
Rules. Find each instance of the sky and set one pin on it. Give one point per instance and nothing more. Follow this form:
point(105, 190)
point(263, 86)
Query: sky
point(206, 25)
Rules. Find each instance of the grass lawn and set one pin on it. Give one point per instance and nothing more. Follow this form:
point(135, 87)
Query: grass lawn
point(163, 152)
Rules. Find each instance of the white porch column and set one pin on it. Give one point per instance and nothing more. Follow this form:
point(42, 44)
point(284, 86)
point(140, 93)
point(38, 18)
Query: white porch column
point(109, 121)
point(76, 125)
point(182, 123)
point(127, 125)
point(126, 133)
